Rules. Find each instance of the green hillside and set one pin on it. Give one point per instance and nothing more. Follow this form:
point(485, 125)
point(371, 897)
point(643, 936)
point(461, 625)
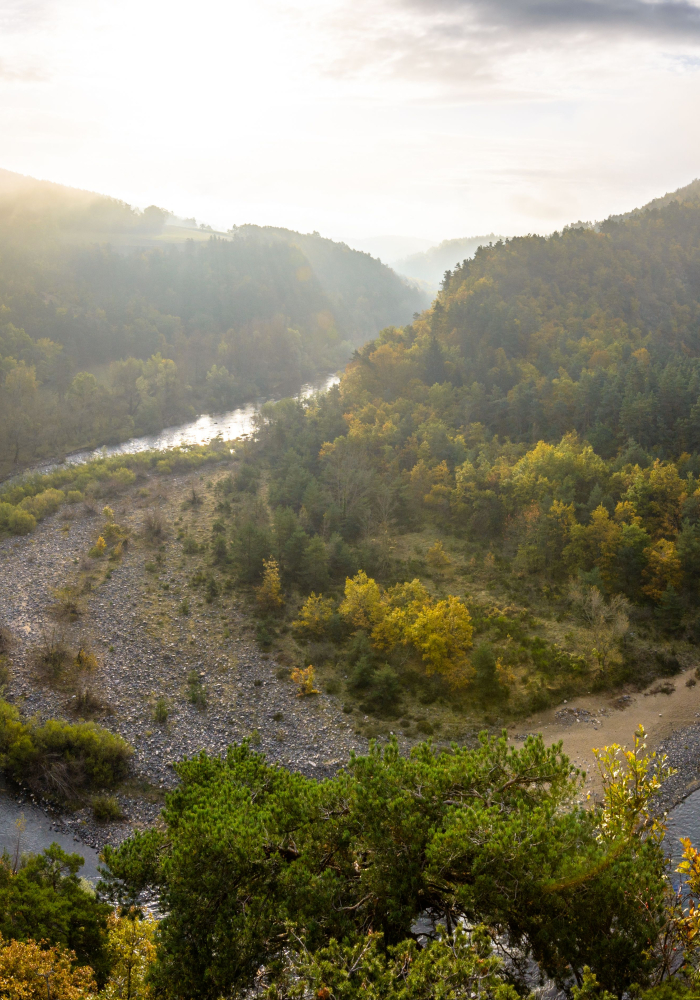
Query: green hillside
point(113, 322)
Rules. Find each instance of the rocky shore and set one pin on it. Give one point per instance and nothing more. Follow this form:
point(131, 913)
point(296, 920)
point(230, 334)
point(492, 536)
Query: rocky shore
point(146, 649)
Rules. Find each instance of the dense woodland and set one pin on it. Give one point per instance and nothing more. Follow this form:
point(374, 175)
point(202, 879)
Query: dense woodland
point(108, 329)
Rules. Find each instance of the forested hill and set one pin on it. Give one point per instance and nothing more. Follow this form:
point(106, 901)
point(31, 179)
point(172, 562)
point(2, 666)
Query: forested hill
point(113, 322)
point(596, 332)
point(365, 294)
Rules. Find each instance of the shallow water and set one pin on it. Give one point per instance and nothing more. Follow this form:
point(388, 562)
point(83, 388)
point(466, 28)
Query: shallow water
point(683, 821)
point(228, 426)
point(26, 829)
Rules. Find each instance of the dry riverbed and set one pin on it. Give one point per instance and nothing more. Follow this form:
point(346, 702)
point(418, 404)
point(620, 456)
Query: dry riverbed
point(146, 649)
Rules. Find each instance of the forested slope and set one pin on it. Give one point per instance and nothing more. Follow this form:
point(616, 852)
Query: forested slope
point(534, 435)
point(101, 337)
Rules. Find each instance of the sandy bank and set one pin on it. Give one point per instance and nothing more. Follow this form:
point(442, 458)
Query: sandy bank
point(671, 720)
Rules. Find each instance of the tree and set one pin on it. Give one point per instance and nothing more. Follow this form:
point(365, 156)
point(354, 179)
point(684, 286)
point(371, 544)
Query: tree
point(251, 854)
point(31, 971)
point(269, 593)
point(45, 899)
point(453, 966)
point(132, 951)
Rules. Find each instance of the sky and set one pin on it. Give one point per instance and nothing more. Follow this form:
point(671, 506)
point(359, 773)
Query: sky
point(433, 119)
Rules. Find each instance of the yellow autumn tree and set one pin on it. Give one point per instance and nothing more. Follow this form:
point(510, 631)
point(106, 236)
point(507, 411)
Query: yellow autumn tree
point(401, 605)
point(30, 971)
point(663, 569)
point(132, 947)
point(442, 633)
point(269, 593)
point(314, 616)
point(362, 605)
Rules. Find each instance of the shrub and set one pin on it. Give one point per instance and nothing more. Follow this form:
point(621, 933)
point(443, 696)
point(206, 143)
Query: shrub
point(304, 679)
point(67, 605)
point(362, 674)
point(485, 665)
point(5, 641)
point(196, 694)
point(106, 809)
point(264, 636)
point(98, 548)
point(385, 690)
point(153, 525)
point(161, 711)
point(60, 758)
point(74, 496)
point(211, 591)
point(438, 559)
point(52, 657)
point(20, 522)
point(43, 504)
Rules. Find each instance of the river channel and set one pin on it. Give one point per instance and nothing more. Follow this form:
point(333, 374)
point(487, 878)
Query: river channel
point(228, 426)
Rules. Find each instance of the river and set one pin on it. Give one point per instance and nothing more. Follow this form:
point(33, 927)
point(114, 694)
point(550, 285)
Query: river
point(24, 828)
point(228, 426)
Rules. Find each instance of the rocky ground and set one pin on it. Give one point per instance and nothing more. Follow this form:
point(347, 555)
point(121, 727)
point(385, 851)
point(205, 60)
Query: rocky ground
point(146, 649)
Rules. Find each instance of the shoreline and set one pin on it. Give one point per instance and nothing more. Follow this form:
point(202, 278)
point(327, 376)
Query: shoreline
point(669, 710)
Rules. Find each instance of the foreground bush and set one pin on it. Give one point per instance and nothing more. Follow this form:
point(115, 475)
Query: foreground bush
point(60, 758)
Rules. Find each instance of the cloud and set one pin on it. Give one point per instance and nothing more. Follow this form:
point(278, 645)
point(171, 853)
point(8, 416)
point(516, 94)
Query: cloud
point(481, 46)
point(669, 19)
point(9, 74)
point(18, 16)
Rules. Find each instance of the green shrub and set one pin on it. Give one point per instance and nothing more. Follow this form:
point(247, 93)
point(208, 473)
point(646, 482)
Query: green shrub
point(16, 520)
point(44, 503)
point(385, 691)
point(52, 657)
point(106, 809)
point(60, 758)
point(74, 496)
point(161, 711)
point(196, 695)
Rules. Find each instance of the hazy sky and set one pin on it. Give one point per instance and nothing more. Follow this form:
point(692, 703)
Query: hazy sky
point(433, 118)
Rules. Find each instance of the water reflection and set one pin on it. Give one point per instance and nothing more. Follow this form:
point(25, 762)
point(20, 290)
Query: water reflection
point(683, 821)
point(25, 829)
point(229, 426)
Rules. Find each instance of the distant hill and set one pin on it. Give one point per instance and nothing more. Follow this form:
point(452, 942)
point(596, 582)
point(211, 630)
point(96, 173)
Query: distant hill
point(87, 282)
point(389, 248)
point(365, 294)
point(430, 266)
point(688, 193)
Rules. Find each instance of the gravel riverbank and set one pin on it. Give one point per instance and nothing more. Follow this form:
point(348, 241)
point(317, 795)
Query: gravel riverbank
point(147, 649)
